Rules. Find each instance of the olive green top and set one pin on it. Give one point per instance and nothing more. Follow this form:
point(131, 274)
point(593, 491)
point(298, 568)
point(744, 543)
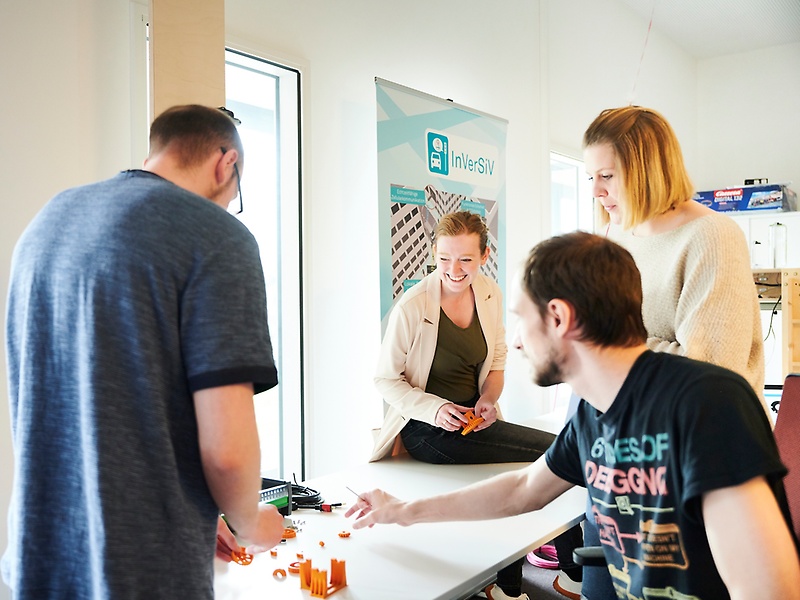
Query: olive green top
point(460, 353)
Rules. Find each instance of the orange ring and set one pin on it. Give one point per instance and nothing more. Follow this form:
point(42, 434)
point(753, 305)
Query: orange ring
point(289, 533)
point(241, 557)
point(344, 534)
point(279, 574)
point(294, 567)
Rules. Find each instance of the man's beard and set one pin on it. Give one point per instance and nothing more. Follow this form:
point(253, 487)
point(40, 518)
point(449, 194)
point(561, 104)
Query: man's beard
point(550, 373)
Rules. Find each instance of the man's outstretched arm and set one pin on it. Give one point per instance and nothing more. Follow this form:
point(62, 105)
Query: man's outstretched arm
point(512, 493)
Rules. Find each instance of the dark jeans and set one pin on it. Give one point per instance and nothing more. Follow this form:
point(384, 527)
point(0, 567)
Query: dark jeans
point(502, 442)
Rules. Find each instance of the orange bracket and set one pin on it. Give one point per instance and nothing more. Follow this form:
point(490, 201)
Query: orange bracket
point(473, 422)
point(317, 581)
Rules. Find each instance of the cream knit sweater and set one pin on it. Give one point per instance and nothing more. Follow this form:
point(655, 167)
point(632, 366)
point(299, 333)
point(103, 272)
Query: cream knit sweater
point(699, 297)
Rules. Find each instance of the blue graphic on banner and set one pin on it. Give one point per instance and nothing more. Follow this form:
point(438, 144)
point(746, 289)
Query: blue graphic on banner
point(406, 195)
point(438, 153)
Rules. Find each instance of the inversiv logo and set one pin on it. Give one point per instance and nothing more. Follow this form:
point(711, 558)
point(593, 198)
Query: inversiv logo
point(461, 159)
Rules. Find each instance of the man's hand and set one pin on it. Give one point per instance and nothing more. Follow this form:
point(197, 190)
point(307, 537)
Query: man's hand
point(266, 535)
point(268, 531)
point(226, 542)
point(377, 507)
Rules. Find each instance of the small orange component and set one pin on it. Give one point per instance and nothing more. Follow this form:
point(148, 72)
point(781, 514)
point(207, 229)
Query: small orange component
point(294, 567)
point(289, 533)
point(344, 534)
point(300, 556)
point(473, 422)
point(240, 557)
point(321, 544)
point(279, 574)
point(273, 553)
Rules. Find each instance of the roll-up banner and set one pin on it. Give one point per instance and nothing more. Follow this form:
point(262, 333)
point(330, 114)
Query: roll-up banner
point(434, 157)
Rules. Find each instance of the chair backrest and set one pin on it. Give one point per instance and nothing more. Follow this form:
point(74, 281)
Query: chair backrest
point(787, 434)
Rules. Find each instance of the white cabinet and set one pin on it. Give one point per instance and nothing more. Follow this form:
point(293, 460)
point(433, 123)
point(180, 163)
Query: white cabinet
point(773, 238)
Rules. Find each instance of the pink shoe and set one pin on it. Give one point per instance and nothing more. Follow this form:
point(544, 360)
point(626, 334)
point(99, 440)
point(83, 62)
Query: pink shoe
point(544, 557)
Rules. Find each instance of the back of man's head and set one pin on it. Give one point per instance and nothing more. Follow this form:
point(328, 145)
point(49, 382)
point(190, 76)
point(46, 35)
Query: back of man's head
point(192, 132)
point(597, 277)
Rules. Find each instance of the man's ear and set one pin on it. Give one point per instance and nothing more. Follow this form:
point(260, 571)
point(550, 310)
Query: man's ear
point(563, 315)
point(224, 167)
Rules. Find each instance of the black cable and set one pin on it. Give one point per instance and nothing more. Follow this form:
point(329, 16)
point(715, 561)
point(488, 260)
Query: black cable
point(304, 496)
point(772, 313)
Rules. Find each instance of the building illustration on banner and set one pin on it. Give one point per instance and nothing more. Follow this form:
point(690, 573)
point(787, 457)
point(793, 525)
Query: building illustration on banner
point(412, 225)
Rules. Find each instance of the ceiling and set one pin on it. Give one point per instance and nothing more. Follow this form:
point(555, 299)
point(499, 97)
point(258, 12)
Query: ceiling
point(708, 28)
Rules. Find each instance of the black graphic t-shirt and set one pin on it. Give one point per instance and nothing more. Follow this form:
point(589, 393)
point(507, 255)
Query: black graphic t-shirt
point(677, 429)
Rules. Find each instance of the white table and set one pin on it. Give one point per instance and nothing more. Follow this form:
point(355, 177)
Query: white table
point(445, 561)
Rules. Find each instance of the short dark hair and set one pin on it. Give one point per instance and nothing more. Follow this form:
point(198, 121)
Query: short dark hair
point(193, 132)
point(597, 277)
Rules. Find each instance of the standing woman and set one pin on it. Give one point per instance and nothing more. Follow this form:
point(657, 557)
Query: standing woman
point(698, 294)
point(443, 354)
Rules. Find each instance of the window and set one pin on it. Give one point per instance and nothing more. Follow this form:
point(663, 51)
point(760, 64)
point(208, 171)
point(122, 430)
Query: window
point(571, 195)
point(265, 97)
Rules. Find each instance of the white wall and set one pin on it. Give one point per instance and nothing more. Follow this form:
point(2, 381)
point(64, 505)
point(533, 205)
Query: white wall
point(65, 121)
point(595, 54)
point(748, 118)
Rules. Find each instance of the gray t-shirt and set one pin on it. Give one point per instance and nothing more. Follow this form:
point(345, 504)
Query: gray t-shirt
point(126, 296)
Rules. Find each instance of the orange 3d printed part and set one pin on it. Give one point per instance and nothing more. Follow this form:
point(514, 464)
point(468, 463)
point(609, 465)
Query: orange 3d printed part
point(473, 422)
point(317, 581)
point(240, 557)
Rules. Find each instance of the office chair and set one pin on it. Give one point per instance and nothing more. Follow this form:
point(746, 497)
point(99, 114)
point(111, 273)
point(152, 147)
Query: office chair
point(787, 436)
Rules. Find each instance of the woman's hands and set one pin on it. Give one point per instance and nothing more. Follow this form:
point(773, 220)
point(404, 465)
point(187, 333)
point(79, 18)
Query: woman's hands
point(487, 410)
point(450, 416)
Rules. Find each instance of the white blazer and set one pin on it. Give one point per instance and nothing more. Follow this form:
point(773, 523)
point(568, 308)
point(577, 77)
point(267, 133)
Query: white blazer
point(409, 346)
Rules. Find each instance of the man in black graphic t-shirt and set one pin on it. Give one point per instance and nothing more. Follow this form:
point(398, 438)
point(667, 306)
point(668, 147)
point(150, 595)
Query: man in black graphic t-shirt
point(677, 455)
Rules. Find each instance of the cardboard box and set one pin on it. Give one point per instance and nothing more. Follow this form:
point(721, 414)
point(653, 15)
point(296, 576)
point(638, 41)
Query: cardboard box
point(750, 198)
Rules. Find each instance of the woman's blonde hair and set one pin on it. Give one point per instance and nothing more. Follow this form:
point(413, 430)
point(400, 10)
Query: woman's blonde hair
point(466, 222)
point(648, 158)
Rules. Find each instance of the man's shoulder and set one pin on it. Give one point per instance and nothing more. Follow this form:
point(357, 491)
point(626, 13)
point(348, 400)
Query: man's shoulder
point(682, 380)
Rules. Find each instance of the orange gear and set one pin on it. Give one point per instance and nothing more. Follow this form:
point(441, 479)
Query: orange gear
point(473, 422)
point(240, 557)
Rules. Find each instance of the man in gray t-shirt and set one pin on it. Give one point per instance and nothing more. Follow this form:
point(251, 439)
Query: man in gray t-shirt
point(137, 335)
